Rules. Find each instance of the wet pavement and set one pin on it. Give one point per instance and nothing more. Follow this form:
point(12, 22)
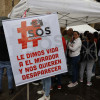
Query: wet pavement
point(80, 92)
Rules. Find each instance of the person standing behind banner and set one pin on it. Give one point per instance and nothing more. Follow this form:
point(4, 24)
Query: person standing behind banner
point(64, 43)
point(58, 77)
point(5, 63)
point(96, 41)
point(74, 53)
point(47, 82)
point(46, 89)
point(68, 36)
point(88, 57)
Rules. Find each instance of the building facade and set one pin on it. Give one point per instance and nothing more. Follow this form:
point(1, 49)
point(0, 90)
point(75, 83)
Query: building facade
point(6, 6)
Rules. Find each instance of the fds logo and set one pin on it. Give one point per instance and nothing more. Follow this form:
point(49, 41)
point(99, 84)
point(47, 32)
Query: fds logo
point(34, 31)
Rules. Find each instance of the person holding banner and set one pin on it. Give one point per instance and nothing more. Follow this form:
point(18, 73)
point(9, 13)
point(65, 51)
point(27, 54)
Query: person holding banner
point(46, 89)
point(74, 53)
point(5, 63)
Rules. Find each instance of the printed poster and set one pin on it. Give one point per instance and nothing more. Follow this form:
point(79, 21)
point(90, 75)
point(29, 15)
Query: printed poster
point(35, 48)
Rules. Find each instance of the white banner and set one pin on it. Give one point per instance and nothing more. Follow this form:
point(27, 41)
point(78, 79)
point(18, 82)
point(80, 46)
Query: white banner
point(35, 48)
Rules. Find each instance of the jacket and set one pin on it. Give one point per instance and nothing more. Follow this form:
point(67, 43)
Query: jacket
point(88, 51)
point(74, 47)
point(4, 56)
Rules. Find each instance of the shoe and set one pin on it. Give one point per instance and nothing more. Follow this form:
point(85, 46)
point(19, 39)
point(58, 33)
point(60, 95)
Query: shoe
point(11, 91)
point(35, 83)
point(81, 81)
point(98, 77)
point(51, 88)
point(59, 87)
point(47, 98)
point(40, 92)
point(44, 97)
point(89, 83)
point(73, 84)
point(76, 83)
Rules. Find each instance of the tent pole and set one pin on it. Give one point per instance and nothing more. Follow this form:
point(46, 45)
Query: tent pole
point(28, 91)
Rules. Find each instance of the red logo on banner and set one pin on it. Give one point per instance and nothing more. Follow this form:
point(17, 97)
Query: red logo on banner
point(24, 29)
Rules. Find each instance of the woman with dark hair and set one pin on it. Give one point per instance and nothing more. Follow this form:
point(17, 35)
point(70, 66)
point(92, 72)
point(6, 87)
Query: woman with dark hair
point(74, 54)
point(88, 57)
point(85, 35)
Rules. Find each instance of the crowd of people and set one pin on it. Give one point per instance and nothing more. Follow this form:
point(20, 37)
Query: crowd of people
point(87, 46)
point(82, 52)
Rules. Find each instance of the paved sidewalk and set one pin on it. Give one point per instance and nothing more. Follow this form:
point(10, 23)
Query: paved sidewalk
point(80, 92)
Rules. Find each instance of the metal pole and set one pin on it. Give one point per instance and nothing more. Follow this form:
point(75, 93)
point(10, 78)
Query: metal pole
point(28, 91)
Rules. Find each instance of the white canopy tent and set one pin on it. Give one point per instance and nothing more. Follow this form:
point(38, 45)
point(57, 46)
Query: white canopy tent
point(70, 12)
point(82, 28)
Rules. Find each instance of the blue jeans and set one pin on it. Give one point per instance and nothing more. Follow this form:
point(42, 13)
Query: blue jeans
point(47, 85)
point(75, 70)
point(70, 66)
point(89, 66)
point(7, 65)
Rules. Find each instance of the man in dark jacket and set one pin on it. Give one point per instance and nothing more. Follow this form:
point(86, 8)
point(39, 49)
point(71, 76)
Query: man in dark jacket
point(5, 62)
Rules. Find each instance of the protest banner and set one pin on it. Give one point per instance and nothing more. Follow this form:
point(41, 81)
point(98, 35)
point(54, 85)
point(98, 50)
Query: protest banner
point(35, 48)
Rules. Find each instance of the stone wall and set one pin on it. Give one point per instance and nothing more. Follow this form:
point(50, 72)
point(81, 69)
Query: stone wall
point(6, 6)
point(2, 7)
